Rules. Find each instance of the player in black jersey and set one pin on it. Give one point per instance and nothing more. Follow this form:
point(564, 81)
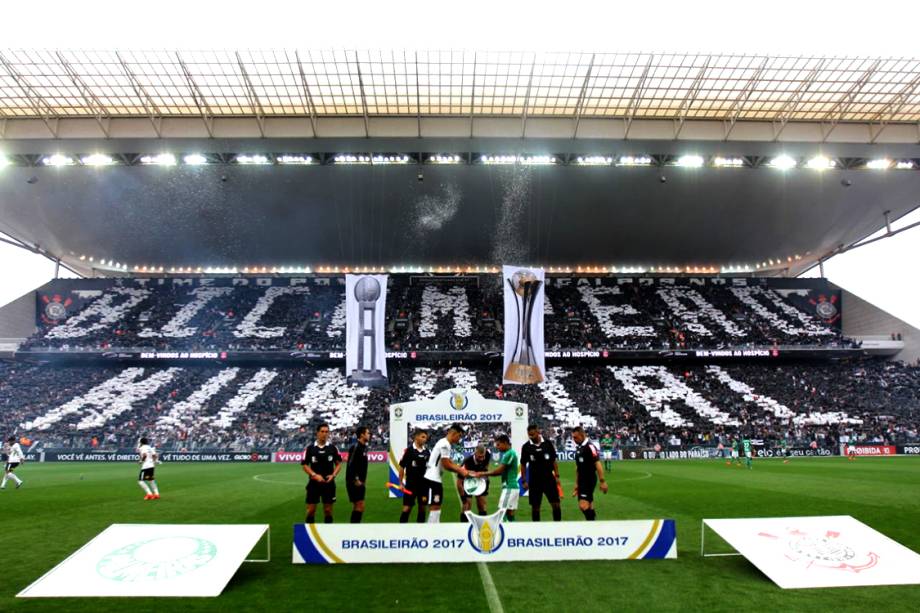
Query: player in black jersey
point(321, 461)
point(356, 473)
point(540, 468)
point(478, 462)
point(412, 467)
point(588, 471)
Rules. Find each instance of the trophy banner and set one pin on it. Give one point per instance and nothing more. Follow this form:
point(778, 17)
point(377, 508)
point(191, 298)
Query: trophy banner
point(365, 308)
point(524, 361)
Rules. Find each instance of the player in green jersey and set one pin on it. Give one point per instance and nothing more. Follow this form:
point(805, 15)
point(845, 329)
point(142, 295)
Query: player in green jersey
point(607, 450)
point(784, 446)
point(736, 452)
point(508, 470)
point(748, 452)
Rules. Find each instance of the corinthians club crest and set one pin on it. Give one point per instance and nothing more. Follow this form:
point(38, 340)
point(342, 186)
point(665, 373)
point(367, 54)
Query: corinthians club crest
point(826, 551)
point(826, 307)
point(55, 309)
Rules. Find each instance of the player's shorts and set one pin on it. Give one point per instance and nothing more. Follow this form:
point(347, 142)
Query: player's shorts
point(508, 499)
point(607, 455)
point(435, 490)
point(747, 454)
point(317, 491)
point(146, 474)
point(356, 493)
point(734, 454)
point(538, 489)
point(11, 466)
point(586, 490)
point(419, 492)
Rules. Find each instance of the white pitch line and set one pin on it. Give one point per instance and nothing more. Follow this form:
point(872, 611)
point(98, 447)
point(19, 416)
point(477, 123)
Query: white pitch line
point(644, 475)
point(260, 480)
point(488, 586)
point(485, 575)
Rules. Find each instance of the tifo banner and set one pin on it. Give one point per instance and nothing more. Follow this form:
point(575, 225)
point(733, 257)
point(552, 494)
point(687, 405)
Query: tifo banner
point(294, 457)
point(524, 361)
point(830, 551)
point(485, 539)
point(365, 307)
point(152, 560)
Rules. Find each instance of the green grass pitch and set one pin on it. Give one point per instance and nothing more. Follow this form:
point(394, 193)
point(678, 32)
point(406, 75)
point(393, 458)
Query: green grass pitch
point(62, 506)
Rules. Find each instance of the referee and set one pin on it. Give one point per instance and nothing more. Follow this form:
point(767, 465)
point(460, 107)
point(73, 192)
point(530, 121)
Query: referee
point(356, 473)
point(541, 473)
point(478, 462)
point(412, 467)
point(322, 462)
point(588, 471)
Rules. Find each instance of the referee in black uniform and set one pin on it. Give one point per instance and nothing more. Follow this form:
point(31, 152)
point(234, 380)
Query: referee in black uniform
point(321, 461)
point(356, 473)
point(588, 471)
point(412, 467)
point(540, 468)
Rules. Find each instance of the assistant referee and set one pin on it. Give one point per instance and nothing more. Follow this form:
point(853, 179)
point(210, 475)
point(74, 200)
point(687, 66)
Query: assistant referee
point(356, 473)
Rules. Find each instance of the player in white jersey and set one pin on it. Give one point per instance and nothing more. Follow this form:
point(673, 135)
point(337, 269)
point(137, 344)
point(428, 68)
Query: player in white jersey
point(14, 457)
point(147, 457)
point(438, 462)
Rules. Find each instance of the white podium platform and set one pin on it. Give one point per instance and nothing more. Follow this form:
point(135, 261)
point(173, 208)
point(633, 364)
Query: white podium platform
point(153, 560)
point(822, 551)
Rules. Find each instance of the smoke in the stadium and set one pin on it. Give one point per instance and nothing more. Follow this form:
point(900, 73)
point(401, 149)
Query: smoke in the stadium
point(433, 211)
point(508, 245)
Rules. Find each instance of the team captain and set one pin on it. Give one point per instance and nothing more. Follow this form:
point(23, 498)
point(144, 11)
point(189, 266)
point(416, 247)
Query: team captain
point(438, 462)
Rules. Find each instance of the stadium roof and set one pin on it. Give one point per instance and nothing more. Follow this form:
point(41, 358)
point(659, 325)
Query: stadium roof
point(51, 85)
point(126, 219)
point(859, 115)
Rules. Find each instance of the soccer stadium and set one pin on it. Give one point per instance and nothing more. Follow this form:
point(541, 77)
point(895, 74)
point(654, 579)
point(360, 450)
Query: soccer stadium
point(306, 306)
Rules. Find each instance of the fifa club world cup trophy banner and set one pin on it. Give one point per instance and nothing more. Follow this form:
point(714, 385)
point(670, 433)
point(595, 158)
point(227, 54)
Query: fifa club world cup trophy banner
point(524, 357)
point(365, 306)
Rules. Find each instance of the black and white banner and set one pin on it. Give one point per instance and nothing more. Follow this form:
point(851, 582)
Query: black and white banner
point(524, 361)
point(365, 308)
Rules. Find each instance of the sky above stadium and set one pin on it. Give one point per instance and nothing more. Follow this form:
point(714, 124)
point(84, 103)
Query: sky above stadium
point(877, 273)
point(777, 27)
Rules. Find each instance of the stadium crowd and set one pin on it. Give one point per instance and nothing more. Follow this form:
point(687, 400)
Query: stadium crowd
point(438, 314)
point(277, 408)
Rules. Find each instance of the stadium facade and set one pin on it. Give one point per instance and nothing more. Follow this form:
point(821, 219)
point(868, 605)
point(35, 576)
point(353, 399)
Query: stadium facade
point(728, 176)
